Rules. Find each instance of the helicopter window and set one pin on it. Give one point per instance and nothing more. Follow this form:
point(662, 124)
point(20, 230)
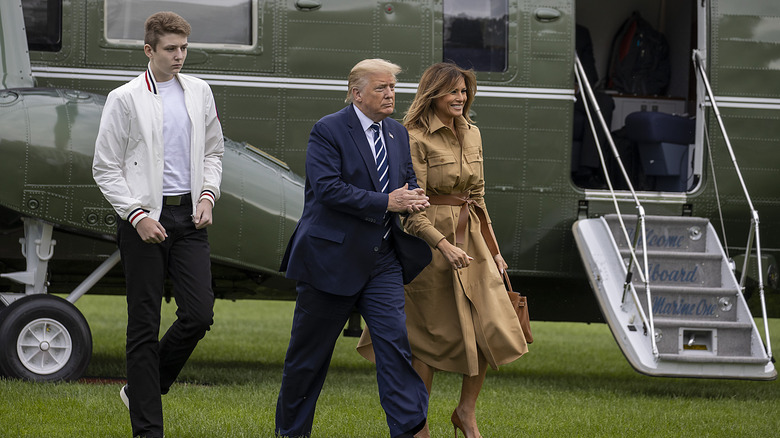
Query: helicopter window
point(227, 22)
point(476, 34)
point(43, 24)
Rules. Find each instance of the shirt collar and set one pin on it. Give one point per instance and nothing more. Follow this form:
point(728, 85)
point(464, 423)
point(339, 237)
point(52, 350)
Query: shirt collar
point(365, 122)
point(434, 123)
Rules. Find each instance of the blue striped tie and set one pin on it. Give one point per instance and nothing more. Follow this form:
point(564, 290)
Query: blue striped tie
point(381, 168)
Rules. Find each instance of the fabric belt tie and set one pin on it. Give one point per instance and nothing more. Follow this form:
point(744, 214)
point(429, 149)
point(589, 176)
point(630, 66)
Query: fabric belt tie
point(177, 200)
point(464, 201)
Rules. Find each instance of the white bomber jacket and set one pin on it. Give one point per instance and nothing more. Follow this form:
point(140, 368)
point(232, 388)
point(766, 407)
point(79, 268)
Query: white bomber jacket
point(129, 159)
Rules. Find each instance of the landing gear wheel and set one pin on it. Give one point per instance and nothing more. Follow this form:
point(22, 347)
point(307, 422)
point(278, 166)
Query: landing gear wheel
point(2, 314)
point(44, 338)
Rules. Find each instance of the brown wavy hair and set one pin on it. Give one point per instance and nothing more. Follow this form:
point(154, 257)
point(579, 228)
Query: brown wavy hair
point(439, 80)
point(163, 23)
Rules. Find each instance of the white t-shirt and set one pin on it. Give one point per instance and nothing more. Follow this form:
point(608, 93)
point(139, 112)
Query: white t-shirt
point(177, 128)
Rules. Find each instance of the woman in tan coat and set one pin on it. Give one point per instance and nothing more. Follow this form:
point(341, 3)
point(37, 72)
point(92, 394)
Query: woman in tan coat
point(459, 317)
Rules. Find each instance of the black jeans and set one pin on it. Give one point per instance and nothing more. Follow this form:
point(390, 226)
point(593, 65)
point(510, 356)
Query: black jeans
point(152, 365)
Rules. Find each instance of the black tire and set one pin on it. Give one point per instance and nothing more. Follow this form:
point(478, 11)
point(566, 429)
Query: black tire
point(53, 335)
point(2, 315)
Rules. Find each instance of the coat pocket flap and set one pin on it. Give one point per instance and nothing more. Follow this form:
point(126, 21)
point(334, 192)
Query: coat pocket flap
point(473, 156)
point(438, 160)
point(326, 233)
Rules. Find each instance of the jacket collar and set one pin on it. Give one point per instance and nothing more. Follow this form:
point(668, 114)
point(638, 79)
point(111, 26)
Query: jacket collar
point(151, 82)
point(434, 123)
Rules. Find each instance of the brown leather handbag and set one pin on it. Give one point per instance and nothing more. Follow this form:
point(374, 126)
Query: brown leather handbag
point(520, 304)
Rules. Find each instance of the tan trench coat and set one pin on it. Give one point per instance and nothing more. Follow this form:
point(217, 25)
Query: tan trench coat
point(452, 315)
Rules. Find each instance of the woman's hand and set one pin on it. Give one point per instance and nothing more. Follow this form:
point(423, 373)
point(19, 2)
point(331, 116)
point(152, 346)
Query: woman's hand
point(454, 255)
point(500, 263)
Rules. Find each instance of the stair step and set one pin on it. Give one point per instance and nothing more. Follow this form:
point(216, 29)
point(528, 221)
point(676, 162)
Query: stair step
point(712, 358)
point(701, 323)
point(701, 303)
point(680, 269)
point(688, 290)
point(696, 337)
point(676, 254)
point(679, 233)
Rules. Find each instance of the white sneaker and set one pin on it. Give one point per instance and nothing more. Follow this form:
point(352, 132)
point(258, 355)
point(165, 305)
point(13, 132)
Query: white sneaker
point(123, 396)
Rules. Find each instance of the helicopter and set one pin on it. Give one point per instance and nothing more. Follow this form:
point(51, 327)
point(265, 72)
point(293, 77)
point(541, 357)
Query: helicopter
point(601, 248)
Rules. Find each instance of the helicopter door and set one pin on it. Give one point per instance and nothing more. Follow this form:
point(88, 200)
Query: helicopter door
point(637, 56)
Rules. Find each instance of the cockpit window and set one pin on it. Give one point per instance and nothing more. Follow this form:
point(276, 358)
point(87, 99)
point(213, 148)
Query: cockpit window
point(476, 34)
point(226, 22)
point(43, 24)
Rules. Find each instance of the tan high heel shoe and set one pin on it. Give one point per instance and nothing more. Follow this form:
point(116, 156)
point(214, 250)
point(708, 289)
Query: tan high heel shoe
point(457, 424)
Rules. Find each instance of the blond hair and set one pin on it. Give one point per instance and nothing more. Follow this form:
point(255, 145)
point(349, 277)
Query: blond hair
point(358, 76)
point(162, 23)
point(439, 80)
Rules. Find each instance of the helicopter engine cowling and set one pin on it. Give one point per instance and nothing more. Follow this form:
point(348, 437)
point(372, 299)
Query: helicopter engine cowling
point(47, 140)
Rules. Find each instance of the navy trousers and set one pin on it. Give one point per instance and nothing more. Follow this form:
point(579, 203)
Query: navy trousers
point(152, 365)
point(318, 321)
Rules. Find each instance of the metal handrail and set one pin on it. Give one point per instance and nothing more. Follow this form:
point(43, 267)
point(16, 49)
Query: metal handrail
point(753, 234)
point(644, 275)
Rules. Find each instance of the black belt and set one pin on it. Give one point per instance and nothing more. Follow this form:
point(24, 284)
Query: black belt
point(185, 199)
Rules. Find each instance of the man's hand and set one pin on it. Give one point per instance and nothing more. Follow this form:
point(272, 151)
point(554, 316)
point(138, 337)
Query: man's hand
point(202, 217)
point(403, 200)
point(151, 231)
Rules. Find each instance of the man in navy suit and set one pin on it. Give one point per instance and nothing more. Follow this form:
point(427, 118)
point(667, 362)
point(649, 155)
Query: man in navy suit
point(349, 251)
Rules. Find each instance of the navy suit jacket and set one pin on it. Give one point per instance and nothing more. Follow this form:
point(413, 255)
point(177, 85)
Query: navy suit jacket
point(335, 245)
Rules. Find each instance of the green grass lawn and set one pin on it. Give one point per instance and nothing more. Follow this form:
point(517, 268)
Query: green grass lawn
point(574, 382)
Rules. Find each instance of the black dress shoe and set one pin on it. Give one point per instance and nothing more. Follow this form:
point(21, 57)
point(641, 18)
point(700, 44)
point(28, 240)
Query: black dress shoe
point(414, 430)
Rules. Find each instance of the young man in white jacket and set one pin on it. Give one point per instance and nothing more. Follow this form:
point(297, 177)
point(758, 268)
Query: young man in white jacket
point(158, 161)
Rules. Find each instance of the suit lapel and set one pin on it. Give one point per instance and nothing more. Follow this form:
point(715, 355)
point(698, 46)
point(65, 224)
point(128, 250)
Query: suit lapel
point(361, 143)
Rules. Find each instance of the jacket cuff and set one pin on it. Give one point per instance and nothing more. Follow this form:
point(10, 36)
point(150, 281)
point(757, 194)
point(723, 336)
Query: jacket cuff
point(135, 216)
point(432, 236)
point(208, 195)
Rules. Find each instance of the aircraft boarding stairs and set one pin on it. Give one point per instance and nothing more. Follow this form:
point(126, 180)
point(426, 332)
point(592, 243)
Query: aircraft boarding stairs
point(702, 325)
